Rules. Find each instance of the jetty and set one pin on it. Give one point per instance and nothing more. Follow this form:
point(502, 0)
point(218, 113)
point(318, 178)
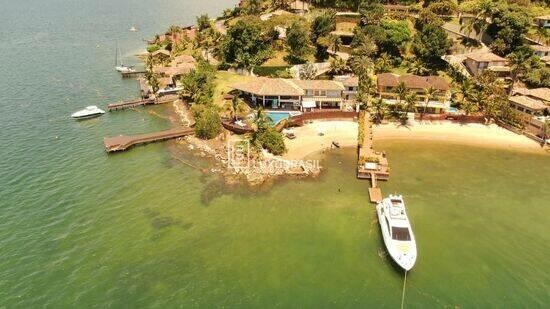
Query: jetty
point(141, 102)
point(371, 164)
point(123, 142)
point(133, 74)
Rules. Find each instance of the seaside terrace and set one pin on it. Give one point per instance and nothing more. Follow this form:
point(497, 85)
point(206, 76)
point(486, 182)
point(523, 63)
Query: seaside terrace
point(293, 94)
point(439, 102)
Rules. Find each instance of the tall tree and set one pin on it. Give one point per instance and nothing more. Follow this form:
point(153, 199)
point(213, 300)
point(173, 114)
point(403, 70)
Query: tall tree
point(430, 44)
point(429, 94)
point(321, 27)
point(244, 46)
point(297, 39)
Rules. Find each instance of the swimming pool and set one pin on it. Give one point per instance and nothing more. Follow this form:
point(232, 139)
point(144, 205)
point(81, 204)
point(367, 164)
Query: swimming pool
point(277, 116)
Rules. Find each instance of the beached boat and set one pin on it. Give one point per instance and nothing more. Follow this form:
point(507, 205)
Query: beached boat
point(396, 231)
point(88, 112)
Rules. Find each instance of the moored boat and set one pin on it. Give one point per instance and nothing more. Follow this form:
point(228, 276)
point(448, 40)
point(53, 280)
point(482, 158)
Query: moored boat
point(88, 112)
point(397, 231)
point(119, 66)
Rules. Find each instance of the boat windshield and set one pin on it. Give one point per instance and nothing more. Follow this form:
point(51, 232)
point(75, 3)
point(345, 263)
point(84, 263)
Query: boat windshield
point(400, 233)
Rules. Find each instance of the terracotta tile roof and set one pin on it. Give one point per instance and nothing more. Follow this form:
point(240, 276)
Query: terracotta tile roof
point(485, 57)
point(269, 86)
point(387, 80)
point(180, 69)
point(540, 93)
point(318, 84)
point(183, 59)
point(537, 93)
point(528, 102)
point(540, 48)
point(348, 81)
point(412, 81)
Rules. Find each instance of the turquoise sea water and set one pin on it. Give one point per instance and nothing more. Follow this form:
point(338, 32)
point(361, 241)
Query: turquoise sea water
point(80, 228)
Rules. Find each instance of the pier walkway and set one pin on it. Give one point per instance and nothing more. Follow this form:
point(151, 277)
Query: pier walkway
point(141, 102)
point(370, 164)
point(123, 142)
point(132, 74)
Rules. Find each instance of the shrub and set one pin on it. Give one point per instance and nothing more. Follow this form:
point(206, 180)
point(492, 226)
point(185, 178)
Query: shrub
point(270, 139)
point(153, 48)
point(207, 122)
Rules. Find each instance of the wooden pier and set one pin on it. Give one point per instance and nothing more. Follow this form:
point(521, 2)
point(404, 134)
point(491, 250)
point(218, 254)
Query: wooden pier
point(141, 102)
point(371, 164)
point(132, 74)
point(123, 142)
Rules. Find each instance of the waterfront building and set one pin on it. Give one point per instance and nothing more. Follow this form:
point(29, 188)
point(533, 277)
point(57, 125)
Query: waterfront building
point(533, 113)
point(439, 102)
point(293, 94)
point(476, 63)
point(351, 85)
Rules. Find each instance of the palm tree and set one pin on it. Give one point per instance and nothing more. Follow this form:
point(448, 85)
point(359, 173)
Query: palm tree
point(378, 108)
point(429, 93)
point(410, 102)
point(401, 91)
point(335, 41)
point(479, 22)
point(519, 63)
point(338, 66)
point(366, 89)
point(173, 30)
point(361, 61)
point(466, 89)
point(261, 120)
point(235, 107)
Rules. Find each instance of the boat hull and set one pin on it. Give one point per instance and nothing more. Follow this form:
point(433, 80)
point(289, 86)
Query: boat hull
point(402, 253)
point(87, 116)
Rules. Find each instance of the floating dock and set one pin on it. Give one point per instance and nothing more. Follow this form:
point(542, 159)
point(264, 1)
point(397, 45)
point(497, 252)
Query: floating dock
point(123, 142)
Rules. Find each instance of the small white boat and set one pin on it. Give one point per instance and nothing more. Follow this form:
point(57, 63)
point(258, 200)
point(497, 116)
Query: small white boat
point(133, 29)
point(124, 69)
point(169, 90)
point(397, 231)
point(88, 112)
point(119, 66)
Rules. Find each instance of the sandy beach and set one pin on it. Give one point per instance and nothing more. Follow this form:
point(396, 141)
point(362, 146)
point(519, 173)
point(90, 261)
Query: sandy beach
point(308, 139)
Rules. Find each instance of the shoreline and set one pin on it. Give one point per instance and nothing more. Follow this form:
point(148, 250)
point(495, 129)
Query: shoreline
point(309, 141)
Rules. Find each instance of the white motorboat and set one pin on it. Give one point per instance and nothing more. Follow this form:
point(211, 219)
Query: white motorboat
point(397, 231)
point(169, 90)
point(88, 112)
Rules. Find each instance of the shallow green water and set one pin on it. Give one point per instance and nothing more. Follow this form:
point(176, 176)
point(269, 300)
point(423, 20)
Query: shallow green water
point(80, 228)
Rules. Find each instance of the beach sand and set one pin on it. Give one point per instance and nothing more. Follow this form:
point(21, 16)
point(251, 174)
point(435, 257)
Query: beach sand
point(309, 141)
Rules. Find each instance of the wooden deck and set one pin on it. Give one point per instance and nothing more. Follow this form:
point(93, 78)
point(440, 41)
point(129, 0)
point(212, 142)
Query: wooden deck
point(123, 142)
